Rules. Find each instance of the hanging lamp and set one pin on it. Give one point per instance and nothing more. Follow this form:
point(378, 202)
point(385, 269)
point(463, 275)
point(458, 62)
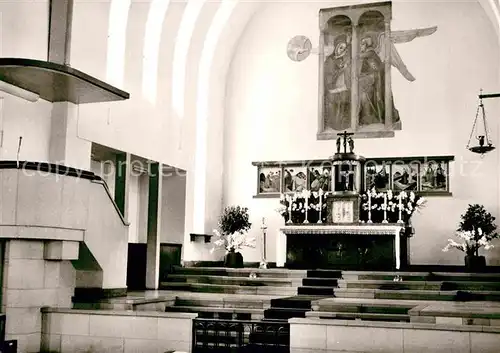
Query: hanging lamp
point(484, 144)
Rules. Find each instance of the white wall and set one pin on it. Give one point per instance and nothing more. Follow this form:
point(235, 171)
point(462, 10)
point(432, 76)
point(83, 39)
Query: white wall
point(272, 106)
point(173, 208)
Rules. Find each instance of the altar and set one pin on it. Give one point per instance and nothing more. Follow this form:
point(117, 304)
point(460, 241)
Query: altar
point(349, 226)
point(354, 246)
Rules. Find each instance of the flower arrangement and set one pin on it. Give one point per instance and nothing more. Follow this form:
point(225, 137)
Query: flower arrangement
point(232, 227)
point(477, 229)
point(305, 206)
point(390, 206)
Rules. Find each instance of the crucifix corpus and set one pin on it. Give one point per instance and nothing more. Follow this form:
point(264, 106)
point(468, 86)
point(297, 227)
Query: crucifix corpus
point(347, 141)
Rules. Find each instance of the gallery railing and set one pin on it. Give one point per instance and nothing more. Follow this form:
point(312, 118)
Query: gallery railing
point(216, 335)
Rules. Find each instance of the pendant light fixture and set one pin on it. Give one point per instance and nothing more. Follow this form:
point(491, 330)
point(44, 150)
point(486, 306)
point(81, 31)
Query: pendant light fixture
point(484, 144)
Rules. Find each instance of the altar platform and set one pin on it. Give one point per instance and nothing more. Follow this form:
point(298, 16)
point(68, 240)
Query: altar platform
point(357, 246)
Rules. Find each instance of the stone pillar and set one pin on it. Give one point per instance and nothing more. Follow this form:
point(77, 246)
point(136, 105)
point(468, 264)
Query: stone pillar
point(121, 182)
point(66, 146)
point(154, 226)
point(29, 283)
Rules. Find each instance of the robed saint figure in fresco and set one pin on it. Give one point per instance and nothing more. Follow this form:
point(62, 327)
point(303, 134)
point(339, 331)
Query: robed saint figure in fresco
point(338, 85)
point(371, 77)
point(372, 86)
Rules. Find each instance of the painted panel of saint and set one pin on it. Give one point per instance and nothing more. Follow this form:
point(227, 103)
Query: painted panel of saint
point(269, 180)
point(434, 176)
point(405, 176)
point(294, 179)
point(320, 177)
point(377, 175)
point(337, 74)
point(372, 74)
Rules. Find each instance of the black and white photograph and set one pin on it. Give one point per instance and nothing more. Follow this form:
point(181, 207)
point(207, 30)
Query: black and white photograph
point(249, 176)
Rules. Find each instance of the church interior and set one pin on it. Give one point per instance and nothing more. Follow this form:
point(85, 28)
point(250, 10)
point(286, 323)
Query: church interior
point(249, 176)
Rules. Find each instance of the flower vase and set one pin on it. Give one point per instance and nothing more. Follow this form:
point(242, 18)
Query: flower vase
point(233, 259)
point(409, 230)
point(475, 263)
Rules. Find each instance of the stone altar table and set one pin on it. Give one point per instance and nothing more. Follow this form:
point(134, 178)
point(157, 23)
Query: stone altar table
point(345, 246)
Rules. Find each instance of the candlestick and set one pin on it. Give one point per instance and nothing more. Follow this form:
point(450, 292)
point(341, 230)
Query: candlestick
point(369, 208)
point(320, 205)
point(263, 263)
point(385, 209)
point(289, 209)
point(306, 205)
point(400, 220)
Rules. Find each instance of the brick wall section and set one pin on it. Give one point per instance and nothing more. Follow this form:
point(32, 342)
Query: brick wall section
point(30, 283)
point(68, 331)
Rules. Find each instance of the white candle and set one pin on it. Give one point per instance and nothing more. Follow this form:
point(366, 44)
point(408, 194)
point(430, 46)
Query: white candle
point(385, 208)
point(400, 220)
point(289, 209)
point(320, 204)
point(307, 207)
point(369, 208)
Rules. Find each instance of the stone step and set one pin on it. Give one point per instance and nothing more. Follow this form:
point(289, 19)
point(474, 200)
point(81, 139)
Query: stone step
point(241, 272)
point(219, 313)
point(320, 282)
point(295, 302)
point(284, 313)
point(365, 308)
point(421, 276)
point(324, 273)
point(422, 285)
point(233, 301)
point(314, 290)
point(230, 289)
point(417, 294)
point(239, 281)
point(358, 316)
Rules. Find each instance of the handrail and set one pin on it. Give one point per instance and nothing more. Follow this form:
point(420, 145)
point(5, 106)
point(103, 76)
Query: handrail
point(105, 185)
point(66, 171)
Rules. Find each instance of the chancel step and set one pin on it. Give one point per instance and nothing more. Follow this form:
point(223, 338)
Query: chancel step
point(405, 294)
point(240, 272)
point(233, 289)
point(310, 290)
point(219, 313)
point(320, 282)
point(359, 316)
point(235, 280)
point(421, 276)
point(420, 285)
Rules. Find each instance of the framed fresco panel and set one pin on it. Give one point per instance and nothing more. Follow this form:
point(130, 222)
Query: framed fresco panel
point(320, 177)
point(356, 53)
point(405, 176)
point(269, 180)
point(377, 175)
point(294, 178)
point(434, 176)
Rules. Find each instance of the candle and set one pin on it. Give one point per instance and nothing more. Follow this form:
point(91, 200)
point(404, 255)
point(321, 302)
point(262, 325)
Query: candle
point(320, 204)
point(289, 209)
point(385, 208)
point(400, 220)
point(369, 208)
point(307, 208)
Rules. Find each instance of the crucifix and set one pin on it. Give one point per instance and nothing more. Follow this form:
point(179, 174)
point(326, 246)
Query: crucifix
point(347, 140)
point(346, 176)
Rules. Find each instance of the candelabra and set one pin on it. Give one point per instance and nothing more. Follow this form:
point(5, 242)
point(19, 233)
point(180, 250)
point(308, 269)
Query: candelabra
point(263, 263)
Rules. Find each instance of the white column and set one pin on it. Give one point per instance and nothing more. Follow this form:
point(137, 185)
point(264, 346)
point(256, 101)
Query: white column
point(66, 147)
